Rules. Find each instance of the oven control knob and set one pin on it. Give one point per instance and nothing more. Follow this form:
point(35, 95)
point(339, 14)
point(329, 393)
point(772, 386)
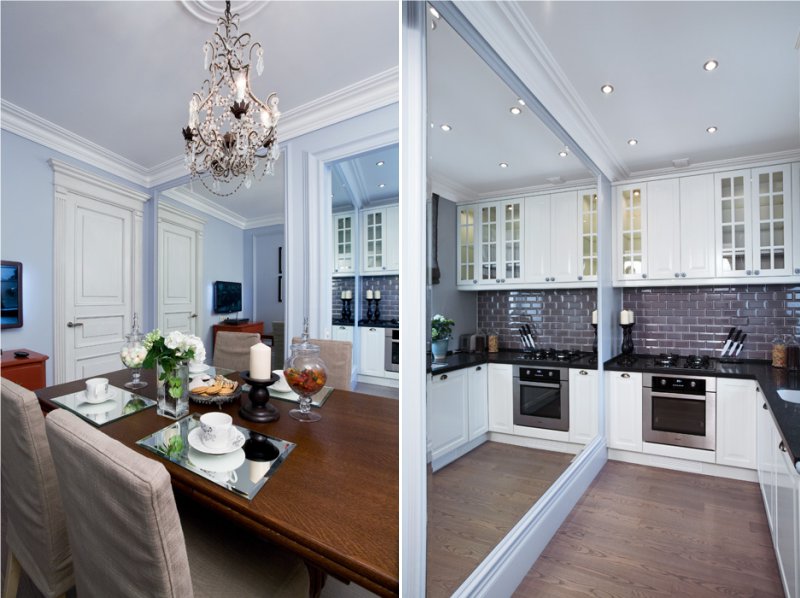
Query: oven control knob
point(663, 382)
point(692, 384)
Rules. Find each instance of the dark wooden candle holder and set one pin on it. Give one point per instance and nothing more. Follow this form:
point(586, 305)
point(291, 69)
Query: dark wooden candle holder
point(258, 409)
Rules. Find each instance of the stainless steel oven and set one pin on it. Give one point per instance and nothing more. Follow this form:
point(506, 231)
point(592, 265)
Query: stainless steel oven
point(541, 397)
point(679, 410)
point(391, 354)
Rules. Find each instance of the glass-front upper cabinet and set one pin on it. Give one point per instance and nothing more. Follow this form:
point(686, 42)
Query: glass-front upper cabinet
point(588, 234)
point(733, 211)
point(343, 248)
point(488, 243)
point(632, 258)
point(512, 241)
point(466, 246)
point(501, 241)
point(374, 240)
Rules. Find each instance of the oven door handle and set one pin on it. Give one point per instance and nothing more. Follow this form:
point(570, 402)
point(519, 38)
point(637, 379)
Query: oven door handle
point(671, 395)
point(537, 384)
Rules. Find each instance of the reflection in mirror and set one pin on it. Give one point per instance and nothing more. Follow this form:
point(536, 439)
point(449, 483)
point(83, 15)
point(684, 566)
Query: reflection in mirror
point(365, 263)
point(238, 238)
point(517, 254)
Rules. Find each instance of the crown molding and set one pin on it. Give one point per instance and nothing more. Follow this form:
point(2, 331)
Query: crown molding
point(78, 180)
point(265, 221)
point(201, 204)
point(450, 189)
point(168, 213)
point(35, 128)
point(541, 189)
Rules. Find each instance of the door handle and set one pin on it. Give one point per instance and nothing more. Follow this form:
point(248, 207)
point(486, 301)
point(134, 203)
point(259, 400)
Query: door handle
point(193, 316)
point(443, 377)
point(782, 447)
point(625, 376)
point(583, 373)
point(74, 325)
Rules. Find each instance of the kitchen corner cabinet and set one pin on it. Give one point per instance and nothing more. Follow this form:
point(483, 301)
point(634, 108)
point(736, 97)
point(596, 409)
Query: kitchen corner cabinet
point(344, 244)
point(753, 216)
point(500, 391)
point(380, 240)
point(447, 407)
point(780, 488)
point(342, 333)
point(373, 346)
point(737, 405)
point(583, 407)
point(624, 410)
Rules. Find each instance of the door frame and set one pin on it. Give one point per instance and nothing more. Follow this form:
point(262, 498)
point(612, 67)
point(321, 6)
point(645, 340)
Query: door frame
point(69, 181)
point(166, 213)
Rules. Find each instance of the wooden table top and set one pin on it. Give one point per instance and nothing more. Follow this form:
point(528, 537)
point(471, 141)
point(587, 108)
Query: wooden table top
point(334, 502)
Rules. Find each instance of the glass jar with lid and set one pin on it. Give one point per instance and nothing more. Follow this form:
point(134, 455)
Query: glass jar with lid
point(306, 374)
point(793, 355)
point(779, 351)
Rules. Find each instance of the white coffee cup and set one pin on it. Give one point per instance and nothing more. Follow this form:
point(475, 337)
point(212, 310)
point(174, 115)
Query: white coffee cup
point(216, 430)
point(96, 389)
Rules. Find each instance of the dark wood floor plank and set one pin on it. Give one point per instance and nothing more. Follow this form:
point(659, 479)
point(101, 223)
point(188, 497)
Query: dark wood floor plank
point(641, 531)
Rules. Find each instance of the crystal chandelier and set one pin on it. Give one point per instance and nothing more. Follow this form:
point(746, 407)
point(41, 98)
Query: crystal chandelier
point(231, 133)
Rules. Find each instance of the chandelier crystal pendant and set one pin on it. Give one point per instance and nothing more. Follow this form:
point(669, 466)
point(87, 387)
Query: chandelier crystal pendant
point(231, 133)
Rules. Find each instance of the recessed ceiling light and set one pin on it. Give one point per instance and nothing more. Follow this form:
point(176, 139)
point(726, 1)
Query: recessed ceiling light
point(521, 102)
point(711, 65)
point(381, 186)
point(632, 141)
point(446, 128)
point(434, 12)
point(379, 163)
point(711, 130)
point(514, 110)
point(636, 192)
point(563, 153)
point(503, 165)
point(607, 88)
point(432, 125)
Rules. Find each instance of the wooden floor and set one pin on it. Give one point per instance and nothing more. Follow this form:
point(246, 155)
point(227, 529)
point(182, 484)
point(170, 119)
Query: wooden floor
point(476, 500)
point(641, 531)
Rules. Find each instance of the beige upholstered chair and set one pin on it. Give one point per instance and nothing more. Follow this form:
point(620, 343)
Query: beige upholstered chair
point(35, 529)
point(338, 357)
point(232, 349)
point(279, 338)
point(128, 538)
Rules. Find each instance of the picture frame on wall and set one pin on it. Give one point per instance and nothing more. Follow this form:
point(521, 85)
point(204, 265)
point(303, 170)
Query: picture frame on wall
point(11, 294)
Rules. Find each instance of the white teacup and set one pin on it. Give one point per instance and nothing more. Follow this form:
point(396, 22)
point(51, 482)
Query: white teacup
point(223, 477)
point(216, 430)
point(96, 389)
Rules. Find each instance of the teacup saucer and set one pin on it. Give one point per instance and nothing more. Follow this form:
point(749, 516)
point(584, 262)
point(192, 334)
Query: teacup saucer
point(197, 368)
point(196, 443)
point(84, 398)
point(216, 463)
point(87, 408)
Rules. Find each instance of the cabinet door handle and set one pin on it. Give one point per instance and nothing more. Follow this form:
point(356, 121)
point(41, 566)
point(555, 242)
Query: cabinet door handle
point(797, 270)
point(644, 275)
point(625, 376)
point(443, 377)
point(372, 329)
point(757, 272)
point(478, 369)
point(749, 272)
point(193, 316)
point(583, 373)
point(474, 281)
point(580, 277)
point(683, 274)
point(782, 447)
point(677, 274)
point(74, 325)
point(764, 406)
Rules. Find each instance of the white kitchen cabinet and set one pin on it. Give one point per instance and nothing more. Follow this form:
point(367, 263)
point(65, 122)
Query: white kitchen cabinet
point(500, 390)
point(342, 333)
point(466, 252)
point(631, 262)
point(500, 241)
point(796, 218)
point(624, 410)
point(766, 440)
point(587, 235)
point(344, 244)
point(563, 234)
point(537, 239)
point(379, 240)
point(447, 408)
point(478, 401)
point(737, 412)
point(754, 222)
point(697, 210)
point(583, 405)
point(373, 346)
point(552, 246)
point(663, 229)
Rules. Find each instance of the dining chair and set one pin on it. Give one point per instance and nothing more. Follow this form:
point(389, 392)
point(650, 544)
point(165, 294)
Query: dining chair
point(338, 358)
point(232, 349)
point(278, 348)
point(35, 529)
point(129, 539)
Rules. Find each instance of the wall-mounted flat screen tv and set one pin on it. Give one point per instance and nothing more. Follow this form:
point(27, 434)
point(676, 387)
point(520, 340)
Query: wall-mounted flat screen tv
point(227, 297)
point(11, 294)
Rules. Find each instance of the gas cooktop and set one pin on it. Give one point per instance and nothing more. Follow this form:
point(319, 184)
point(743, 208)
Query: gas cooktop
point(668, 361)
point(550, 354)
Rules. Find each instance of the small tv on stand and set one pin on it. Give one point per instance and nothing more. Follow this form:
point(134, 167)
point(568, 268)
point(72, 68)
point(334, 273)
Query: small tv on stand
point(228, 300)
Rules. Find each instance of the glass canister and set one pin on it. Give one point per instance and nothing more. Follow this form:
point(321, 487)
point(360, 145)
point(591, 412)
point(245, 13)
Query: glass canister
point(306, 375)
point(132, 355)
point(793, 355)
point(779, 351)
point(493, 342)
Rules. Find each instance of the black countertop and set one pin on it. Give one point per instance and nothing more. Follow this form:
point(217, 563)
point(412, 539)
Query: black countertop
point(786, 415)
point(458, 361)
point(373, 324)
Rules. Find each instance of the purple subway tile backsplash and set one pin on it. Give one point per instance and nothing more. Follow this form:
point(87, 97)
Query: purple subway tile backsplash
point(389, 286)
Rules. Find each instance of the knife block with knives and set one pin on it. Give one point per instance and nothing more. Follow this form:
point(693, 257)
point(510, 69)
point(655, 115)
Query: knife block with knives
point(732, 346)
point(527, 336)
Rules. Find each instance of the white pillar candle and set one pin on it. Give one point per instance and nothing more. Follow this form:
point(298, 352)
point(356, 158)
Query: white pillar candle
point(260, 362)
point(377, 294)
point(631, 317)
point(594, 317)
point(369, 293)
point(623, 317)
point(349, 295)
point(344, 294)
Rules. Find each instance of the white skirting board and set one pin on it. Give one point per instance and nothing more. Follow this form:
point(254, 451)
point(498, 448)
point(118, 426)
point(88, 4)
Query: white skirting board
point(665, 462)
point(446, 459)
point(394, 383)
point(506, 566)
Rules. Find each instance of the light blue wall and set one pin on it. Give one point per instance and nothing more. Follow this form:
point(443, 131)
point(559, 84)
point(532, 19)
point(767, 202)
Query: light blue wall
point(262, 279)
point(26, 215)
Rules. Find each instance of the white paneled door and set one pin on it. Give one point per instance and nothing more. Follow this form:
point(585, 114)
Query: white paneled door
point(98, 271)
point(180, 242)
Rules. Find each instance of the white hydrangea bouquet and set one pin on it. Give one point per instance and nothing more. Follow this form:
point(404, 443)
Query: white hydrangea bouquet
point(169, 352)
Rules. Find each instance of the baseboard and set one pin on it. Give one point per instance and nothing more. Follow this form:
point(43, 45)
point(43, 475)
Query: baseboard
point(379, 381)
point(506, 566)
point(689, 466)
point(446, 459)
point(537, 443)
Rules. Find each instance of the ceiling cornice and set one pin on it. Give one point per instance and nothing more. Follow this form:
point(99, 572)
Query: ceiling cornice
point(450, 189)
point(265, 221)
point(201, 204)
point(364, 96)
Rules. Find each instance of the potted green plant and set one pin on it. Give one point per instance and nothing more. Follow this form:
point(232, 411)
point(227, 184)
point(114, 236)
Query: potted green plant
point(441, 328)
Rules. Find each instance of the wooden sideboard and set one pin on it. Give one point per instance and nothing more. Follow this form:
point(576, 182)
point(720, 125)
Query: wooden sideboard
point(25, 371)
point(249, 327)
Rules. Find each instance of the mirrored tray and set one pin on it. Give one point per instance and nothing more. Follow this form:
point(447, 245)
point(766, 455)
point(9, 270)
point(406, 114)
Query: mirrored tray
point(242, 471)
point(120, 403)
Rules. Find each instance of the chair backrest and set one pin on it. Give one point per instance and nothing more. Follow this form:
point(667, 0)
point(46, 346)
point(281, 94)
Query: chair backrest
point(36, 531)
point(232, 349)
point(338, 357)
point(123, 524)
point(278, 348)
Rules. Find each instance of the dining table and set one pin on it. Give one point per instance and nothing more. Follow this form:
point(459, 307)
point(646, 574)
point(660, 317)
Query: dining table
point(335, 499)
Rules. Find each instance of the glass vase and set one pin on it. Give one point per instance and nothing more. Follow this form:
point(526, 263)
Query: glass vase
point(173, 388)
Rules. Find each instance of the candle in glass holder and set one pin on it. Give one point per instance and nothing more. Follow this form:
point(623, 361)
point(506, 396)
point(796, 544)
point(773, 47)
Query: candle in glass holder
point(260, 362)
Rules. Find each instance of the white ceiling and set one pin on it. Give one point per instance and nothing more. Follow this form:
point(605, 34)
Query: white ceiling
point(652, 53)
point(356, 181)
